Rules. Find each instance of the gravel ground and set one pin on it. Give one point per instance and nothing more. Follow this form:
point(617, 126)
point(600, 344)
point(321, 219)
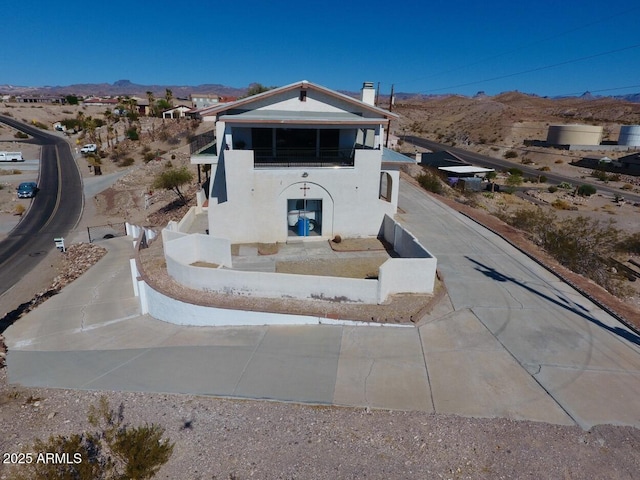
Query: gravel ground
point(241, 439)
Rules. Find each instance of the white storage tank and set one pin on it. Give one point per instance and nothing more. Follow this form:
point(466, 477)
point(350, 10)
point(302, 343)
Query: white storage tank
point(629, 135)
point(574, 135)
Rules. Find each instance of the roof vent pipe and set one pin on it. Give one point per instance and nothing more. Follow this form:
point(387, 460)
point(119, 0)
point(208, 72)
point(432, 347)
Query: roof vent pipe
point(368, 93)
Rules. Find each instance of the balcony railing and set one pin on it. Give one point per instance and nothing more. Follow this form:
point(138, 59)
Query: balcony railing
point(204, 144)
point(304, 158)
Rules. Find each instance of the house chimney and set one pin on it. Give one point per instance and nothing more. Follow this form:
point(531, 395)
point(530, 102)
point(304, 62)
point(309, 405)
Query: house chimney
point(368, 93)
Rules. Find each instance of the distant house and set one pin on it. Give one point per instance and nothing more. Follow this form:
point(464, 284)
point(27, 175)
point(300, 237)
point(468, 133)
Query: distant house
point(100, 102)
point(59, 99)
point(176, 112)
point(298, 153)
point(202, 100)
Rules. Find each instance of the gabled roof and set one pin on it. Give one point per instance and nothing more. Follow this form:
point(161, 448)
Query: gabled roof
point(304, 84)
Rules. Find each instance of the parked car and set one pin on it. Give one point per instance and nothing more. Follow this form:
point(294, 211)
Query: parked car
point(89, 148)
point(27, 189)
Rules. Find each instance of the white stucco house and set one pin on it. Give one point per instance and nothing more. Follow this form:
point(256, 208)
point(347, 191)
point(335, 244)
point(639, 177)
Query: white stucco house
point(298, 161)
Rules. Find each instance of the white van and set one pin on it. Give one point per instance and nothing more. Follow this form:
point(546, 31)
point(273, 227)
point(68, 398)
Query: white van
point(11, 157)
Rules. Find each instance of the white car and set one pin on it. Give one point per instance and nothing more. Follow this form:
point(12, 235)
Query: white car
point(89, 148)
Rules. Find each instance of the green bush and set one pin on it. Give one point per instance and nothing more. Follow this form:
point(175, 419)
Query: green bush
point(515, 171)
point(114, 451)
point(510, 154)
point(132, 133)
point(586, 190)
point(552, 189)
point(173, 179)
point(431, 182)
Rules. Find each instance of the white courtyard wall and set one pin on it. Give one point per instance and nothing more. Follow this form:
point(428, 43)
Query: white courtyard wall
point(198, 247)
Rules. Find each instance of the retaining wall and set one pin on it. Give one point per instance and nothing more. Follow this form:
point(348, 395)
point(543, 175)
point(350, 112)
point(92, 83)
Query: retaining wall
point(414, 273)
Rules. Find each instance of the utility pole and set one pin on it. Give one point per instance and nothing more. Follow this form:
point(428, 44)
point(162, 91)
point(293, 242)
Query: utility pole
point(386, 142)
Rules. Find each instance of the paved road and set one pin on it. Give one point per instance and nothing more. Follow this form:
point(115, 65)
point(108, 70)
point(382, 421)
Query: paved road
point(54, 211)
point(511, 341)
point(500, 164)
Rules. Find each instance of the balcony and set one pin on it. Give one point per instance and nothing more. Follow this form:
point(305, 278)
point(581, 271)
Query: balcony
point(204, 144)
point(304, 158)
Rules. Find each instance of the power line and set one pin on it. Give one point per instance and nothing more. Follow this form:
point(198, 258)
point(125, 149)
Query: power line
point(537, 69)
point(523, 47)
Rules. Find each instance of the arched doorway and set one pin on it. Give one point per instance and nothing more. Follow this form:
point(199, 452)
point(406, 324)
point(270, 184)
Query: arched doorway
point(307, 210)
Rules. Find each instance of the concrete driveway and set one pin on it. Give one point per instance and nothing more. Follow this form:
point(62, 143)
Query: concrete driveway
point(511, 340)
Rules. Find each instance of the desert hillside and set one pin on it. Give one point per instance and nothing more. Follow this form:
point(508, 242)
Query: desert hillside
point(505, 121)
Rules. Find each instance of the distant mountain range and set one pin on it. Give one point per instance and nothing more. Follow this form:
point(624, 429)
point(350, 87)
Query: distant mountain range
point(123, 88)
point(126, 87)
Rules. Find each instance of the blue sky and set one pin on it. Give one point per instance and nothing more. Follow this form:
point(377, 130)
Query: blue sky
point(543, 47)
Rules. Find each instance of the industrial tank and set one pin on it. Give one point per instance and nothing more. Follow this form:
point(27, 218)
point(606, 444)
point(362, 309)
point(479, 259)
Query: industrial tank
point(629, 135)
point(574, 135)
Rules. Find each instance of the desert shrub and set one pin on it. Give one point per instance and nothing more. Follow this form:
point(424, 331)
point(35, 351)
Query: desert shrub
point(614, 177)
point(558, 161)
point(586, 190)
point(430, 181)
point(526, 161)
point(630, 244)
point(21, 135)
point(545, 169)
point(19, 209)
point(513, 181)
point(542, 179)
point(148, 156)
point(600, 175)
point(94, 159)
point(510, 154)
point(515, 171)
point(39, 125)
point(132, 133)
point(580, 244)
point(562, 205)
point(627, 186)
point(552, 189)
point(173, 179)
point(565, 185)
point(126, 162)
point(115, 450)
